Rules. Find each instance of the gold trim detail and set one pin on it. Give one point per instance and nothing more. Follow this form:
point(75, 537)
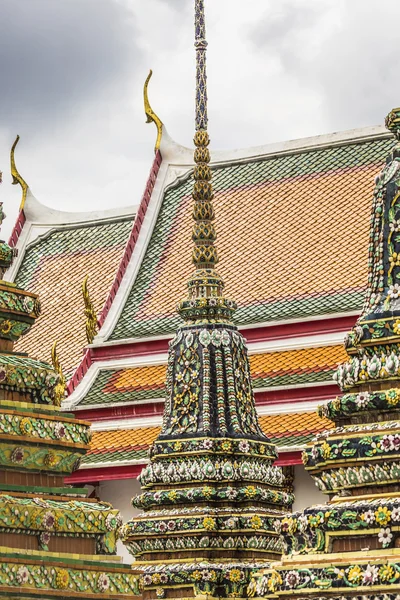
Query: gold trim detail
point(150, 114)
point(90, 313)
point(59, 390)
point(16, 177)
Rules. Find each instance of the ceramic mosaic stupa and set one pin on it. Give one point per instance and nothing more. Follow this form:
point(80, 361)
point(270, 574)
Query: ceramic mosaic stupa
point(211, 494)
point(54, 542)
point(350, 547)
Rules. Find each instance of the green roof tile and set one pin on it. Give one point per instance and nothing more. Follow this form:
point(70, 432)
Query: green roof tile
point(316, 186)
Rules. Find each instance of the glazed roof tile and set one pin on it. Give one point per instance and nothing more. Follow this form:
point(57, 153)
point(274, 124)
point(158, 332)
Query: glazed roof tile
point(287, 226)
point(133, 444)
point(54, 267)
point(291, 367)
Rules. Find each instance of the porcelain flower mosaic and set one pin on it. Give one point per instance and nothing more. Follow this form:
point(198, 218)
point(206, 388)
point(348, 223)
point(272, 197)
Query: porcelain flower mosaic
point(349, 548)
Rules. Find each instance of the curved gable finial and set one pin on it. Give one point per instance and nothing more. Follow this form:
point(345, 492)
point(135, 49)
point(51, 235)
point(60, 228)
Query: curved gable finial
point(61, 386)
point(150, 114)
point(16, 176)
point(90, 313)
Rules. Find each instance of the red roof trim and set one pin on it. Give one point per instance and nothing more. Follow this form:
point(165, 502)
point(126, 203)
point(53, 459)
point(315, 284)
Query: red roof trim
point(289, 458)
point(121, 412)
point(137, 224)
point(291, 330)
point(256, 334)
point(94, 475)
point(296, 396)
point(17, 229)
point(133, 237)
point(317, 393)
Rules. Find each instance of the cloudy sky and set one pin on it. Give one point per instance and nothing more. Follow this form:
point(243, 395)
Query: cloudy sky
point(72, 74)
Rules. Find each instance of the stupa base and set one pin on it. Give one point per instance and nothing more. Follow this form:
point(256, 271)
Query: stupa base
point(347, 575)
point(205, 579)
point(43, 575)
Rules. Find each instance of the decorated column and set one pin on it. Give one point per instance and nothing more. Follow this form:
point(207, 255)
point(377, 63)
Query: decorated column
point(350, 547)
point(54, 541)
point(211, 495)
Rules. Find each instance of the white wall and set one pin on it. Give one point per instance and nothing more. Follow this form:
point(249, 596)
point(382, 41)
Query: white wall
point(119, 494)
point(305, 491)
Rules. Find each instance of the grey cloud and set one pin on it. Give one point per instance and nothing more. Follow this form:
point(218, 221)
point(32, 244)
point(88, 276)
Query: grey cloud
point(56, 54)
point(352, 67)
point(357, 67)
point(282, 26)
point(179, 5)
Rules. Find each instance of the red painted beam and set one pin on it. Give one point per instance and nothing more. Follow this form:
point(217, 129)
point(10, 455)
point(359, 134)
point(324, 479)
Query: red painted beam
point(133, 236)
point(312, 394)
point(17, 229)
point(127, 350)
point(93, 475)
point(290, 330)
point(289, 458)
point(298, 395)
point(260, 334)
point(122, 412)
point(85, 364)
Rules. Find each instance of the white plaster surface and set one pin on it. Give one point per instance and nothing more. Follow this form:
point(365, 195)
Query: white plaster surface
point(119, 494)
point(305, 491)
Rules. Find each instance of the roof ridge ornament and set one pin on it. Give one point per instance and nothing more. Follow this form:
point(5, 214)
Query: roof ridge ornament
point(90, 313)
point(16, 177)
point(150, 114)
point(205, 302)
point(61, 385)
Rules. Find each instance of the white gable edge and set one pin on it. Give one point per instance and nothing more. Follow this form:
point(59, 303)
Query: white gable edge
point(42, 220)
point(177, 161)
point(296, 343)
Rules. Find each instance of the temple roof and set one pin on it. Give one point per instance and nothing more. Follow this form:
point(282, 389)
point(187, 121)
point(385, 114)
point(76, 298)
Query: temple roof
point(140, 384)
point(289, 218)
point(321, 187)
point(278, 208)
point(56, 251)
point(130, 446)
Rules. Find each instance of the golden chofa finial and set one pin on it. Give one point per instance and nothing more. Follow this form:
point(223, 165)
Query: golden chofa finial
point(16, 176)
point(90, 313)
point(150, 114)
point(59, 390)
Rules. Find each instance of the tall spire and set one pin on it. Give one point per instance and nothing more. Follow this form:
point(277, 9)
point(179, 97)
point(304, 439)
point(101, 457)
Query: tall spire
point(201, 67)
point(211, 494)
point(205, 302)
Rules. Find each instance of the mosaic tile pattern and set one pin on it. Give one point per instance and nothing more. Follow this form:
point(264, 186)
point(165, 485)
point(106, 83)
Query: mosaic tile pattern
point(294, 367)
point(133, 444)
point(54, 267)
point(322, 196)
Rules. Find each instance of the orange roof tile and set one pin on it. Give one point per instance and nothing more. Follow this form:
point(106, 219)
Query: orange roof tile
point(291, 367)
point(286, 226)
point(54, 267)
point(132, 444)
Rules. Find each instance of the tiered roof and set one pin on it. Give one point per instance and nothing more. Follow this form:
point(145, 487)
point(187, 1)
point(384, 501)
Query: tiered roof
point(256, 200)
point(350, 547)
point(115, 387)
point(267, 183)
point(123, 446)
point(53, 243)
